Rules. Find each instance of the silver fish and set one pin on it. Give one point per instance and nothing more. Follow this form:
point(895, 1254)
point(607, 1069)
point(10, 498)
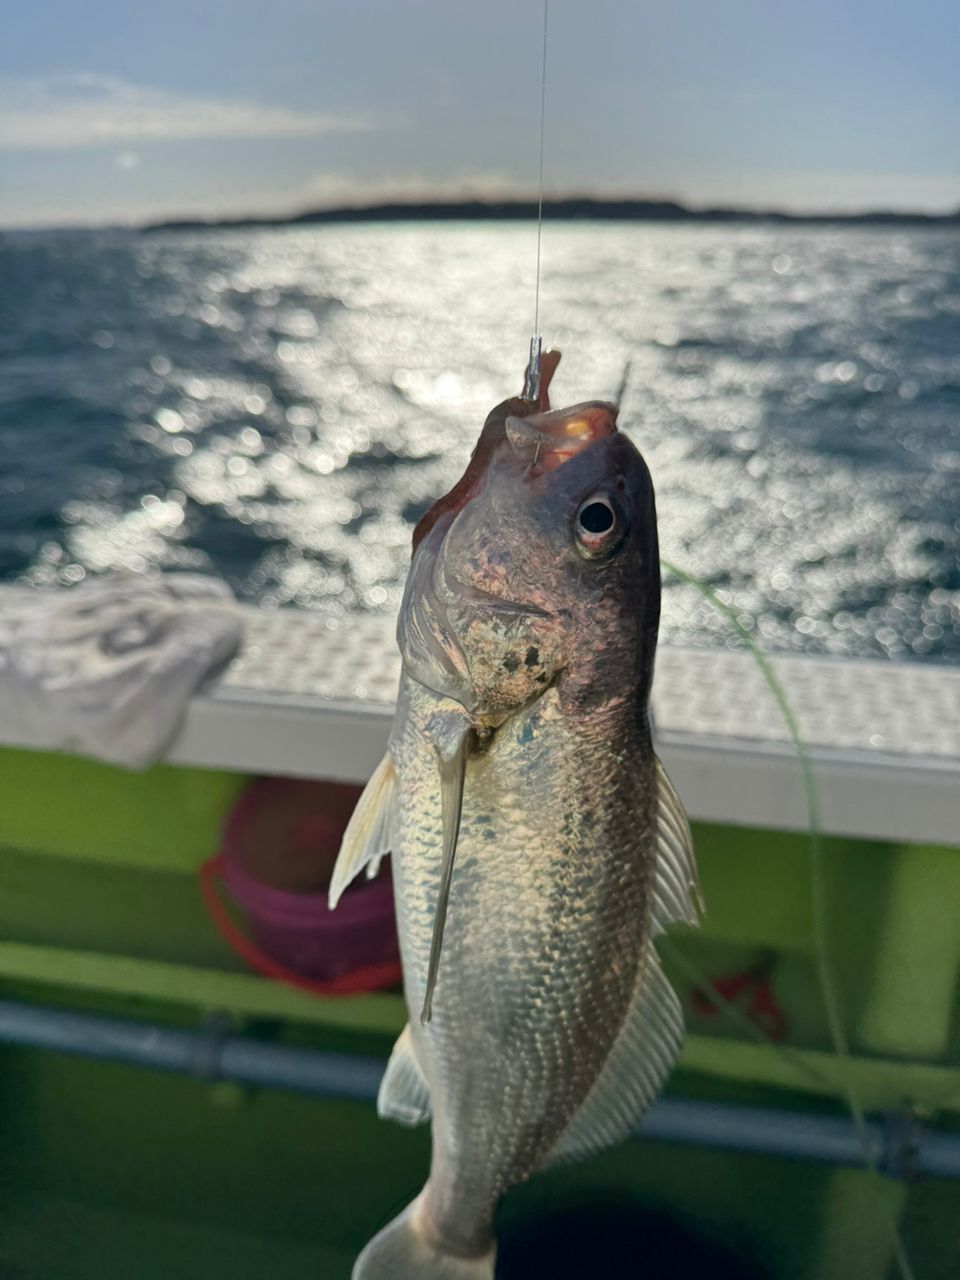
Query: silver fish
point(538, 847)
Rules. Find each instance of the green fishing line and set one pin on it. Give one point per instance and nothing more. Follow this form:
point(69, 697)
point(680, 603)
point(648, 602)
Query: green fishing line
point(828, 987)
point(737, 1018)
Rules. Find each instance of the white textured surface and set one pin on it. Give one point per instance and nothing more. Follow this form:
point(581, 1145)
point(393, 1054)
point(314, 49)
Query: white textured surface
point(291, 651)
point(895, 708)
point(890, 707)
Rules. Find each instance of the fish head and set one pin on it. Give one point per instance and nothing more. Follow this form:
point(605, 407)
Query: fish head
point(540, 568)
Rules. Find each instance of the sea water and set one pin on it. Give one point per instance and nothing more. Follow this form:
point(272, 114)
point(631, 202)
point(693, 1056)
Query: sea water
point(279, 405)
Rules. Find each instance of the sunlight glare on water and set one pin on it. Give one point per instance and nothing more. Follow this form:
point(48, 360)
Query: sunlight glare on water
point(280, 405)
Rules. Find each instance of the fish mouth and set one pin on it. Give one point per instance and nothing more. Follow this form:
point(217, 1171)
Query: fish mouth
point(547, 440)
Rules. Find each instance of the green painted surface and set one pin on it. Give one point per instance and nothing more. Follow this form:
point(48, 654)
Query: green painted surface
point(111, 1173)
point(912, 994)
point(756, 886)
point(204, 989)
point(881, 1083)
point(856, 1233)
point(164, 817)
point(154, 1176)
point(52, 1238)
point(892, 924)
point(75, 904)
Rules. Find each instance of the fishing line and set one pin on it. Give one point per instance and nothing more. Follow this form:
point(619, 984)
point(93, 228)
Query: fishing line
point(622, 389)
point(811, 795)
point(737, 1018)
point(828, 988)
point(543, 105)
point(531, 380)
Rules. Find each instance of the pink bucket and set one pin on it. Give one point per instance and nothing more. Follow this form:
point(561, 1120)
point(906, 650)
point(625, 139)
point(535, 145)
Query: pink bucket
point(278, 825)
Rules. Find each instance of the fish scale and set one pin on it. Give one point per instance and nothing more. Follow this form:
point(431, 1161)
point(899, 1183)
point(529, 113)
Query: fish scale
point(543, 947)
point(537, 846)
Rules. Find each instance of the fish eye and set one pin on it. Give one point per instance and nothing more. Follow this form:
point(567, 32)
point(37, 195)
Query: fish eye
point(598, 526)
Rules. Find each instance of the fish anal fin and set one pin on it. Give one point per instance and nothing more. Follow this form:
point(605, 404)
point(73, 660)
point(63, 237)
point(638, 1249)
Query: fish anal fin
point(639, 1062)
point(369, 833)
point(404, 1095)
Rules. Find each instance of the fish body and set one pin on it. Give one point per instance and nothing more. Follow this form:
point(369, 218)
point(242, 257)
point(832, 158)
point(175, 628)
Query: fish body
point(522, 741)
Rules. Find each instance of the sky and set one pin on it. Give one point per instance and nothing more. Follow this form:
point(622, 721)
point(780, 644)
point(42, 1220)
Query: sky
point(117, 111)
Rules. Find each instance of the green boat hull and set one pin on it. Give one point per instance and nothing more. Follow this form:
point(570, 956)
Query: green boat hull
point(111, 1171)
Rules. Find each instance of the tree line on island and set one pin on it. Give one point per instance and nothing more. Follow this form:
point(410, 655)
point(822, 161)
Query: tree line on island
point(566, 209)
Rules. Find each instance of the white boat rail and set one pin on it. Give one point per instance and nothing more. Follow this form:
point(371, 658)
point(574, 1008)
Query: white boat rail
point(312, 696)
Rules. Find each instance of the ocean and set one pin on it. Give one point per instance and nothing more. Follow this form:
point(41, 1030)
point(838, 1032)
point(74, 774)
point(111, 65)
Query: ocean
point(279, 405)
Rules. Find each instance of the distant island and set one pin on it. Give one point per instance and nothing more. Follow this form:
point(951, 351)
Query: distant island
point(568, 209)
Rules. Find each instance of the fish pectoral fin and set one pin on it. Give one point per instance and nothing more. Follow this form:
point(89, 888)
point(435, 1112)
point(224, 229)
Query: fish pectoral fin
point(452, 736)
point(369, 833)
point(404, 1094)
point(639, 1062)
point(676, 891)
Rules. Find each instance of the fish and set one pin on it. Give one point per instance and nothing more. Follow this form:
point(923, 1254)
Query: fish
point(538, 847)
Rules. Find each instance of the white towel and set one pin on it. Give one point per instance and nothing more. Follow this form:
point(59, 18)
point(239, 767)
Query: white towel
point(107, 668)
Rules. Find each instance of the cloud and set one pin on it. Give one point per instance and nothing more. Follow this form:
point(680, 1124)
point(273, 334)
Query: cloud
point(87, 110)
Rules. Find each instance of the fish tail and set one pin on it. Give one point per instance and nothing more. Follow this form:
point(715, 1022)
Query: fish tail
point(401, 1251)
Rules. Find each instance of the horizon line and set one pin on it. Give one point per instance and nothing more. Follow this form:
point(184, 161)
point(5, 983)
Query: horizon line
point(570, 207)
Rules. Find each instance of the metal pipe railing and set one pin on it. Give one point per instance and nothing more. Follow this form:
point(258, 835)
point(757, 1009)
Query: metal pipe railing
point(896, 1144)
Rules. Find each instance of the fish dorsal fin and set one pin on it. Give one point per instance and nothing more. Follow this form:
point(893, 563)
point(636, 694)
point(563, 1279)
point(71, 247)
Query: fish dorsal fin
point(649, 1040)
point(404, 1095)
point(637, 1066)
point(676, 891)
point(369, 833)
